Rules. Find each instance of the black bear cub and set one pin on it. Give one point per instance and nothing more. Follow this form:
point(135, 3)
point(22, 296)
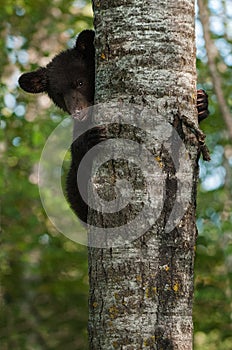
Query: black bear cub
point(69, 80)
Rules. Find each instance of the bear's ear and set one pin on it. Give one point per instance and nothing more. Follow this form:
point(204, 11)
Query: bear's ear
point(34, 82)
point(85, 42)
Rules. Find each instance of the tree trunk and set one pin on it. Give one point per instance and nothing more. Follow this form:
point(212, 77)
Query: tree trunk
point(141, 292)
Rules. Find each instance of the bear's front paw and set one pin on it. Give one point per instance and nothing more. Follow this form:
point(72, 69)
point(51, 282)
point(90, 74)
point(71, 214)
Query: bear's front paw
point(202, 105)
point(96, 135)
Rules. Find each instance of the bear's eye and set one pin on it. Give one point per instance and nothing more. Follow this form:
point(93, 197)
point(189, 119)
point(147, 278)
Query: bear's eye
point(79, 83)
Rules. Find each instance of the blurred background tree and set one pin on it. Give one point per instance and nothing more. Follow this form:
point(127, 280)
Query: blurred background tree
point(44, 278)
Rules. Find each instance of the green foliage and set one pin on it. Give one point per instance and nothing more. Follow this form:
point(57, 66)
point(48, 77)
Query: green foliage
point(43, 275)
point(213, 268)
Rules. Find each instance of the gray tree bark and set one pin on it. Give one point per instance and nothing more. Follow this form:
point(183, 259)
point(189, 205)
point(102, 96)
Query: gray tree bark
point(141, 292)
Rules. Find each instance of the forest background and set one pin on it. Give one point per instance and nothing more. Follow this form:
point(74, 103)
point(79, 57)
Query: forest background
point(44, 275)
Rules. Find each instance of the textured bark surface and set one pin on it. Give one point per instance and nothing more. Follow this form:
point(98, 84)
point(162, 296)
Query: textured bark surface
point(141, 293)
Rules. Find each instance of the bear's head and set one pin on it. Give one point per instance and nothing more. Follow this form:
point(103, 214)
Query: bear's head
point(69, 78)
